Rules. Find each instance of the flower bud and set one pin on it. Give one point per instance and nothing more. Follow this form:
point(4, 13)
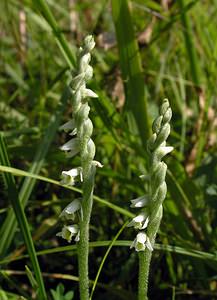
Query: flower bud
point(162, 136)
point(158, 176)
point(77, 81)
point(88, 73)
point(157, 124)
point(91, 149)
point(87, 128)
point(151, 141)
point(165, 105)
point(89, 43)
point(82, 114)
point(167, 116)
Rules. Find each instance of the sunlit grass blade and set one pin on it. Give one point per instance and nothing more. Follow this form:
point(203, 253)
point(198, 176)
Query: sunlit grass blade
point(60, 38)
point(21, 218)
point(104, 258)
point(9, 226)
point(131, 67)
point(125, 243)
point(17, 172)
point(190, 44)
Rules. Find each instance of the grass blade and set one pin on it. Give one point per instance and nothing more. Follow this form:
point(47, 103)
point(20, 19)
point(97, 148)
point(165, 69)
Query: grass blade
point(190, 45)
point(123, 243)
point(104, 258)
point(9, 226)
point(21, 219)
point(18, 172)
point(131, 67)
point(183, 204)
point(61, 40)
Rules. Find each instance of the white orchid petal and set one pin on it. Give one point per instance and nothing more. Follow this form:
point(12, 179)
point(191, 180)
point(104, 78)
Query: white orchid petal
point(74, 132)
point(68, 177)
point(139, 218)
point(97, 163)
point(149, 245)
point(77, 238)
point(141, 237)
point(73, 229)
point(70, 209)
point(142, 242)
point(73, 172)
point(139, 202)
point(90, 93)
point(137, 222)
point(145, 224)
point(70, 125)
point(71, 145)
point(68, 232)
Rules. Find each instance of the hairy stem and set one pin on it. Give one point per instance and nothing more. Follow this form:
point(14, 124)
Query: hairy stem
point(83, 245)
point(145, 257)
point(144, 263)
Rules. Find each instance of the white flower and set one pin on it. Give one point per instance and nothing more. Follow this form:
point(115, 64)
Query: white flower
point(71, 147)
point(161, 151)
point(89, 93)
point(70, 125)
point(84, 61)
point(145, 178)
point(68, 177)
point(140, 221)
point(97, 164)
point(141, 242)
point(140, 201)
point(69, 211)
point(89, 43)
point(69, 231)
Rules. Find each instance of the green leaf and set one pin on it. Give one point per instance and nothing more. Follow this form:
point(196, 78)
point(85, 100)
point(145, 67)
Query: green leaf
point(21, 218)
point(131, 68)
point(8, 228)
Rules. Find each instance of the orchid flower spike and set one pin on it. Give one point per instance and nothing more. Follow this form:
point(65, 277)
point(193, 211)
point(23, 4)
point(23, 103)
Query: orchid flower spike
point(79, 128)
point(150, 205)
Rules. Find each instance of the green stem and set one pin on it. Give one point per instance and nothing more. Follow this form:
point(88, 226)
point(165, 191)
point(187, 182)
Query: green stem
point(144, 266)
point(83, 245)
point(145, 256)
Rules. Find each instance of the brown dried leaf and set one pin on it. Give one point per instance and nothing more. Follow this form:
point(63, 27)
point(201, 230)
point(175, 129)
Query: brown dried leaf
point(118, 92)
point(145, 37)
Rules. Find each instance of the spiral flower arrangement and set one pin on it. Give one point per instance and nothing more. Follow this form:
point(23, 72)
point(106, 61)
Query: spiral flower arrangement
point(148, 220)
point(76, 216)
point(150, 205)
